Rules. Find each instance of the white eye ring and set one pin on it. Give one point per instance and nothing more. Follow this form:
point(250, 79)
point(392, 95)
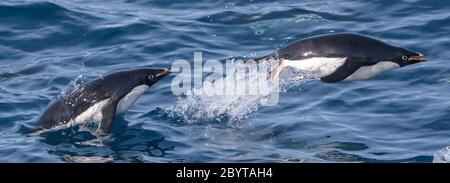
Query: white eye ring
point(151, 77)
point(404, 57)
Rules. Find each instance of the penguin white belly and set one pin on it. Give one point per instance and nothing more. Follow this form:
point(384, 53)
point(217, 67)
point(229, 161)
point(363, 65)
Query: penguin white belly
point(128, 100)
point(367, 72)
point(316, 66)
point(93, 113)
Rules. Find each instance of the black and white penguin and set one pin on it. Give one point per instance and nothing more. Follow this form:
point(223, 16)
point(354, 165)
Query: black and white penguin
point(338, 57)
point(101, 99)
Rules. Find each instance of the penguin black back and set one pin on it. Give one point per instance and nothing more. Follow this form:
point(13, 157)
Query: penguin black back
point(340, 45)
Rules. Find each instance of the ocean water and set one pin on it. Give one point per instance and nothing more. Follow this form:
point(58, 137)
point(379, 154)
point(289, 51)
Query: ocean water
point(51, 47)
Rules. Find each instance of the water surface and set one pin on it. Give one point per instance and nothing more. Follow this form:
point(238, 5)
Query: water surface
point(49, 46)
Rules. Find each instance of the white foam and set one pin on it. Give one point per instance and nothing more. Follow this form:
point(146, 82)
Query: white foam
point(88, 159)
point(231, 108)
point(442, 156)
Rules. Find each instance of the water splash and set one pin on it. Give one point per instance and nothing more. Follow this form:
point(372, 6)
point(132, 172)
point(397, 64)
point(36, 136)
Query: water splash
point(442, 156)
point(73, 85)
point(204, 105)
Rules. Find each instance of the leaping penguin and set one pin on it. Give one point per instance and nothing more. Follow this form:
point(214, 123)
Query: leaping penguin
point(338, 57)
point(101, 99)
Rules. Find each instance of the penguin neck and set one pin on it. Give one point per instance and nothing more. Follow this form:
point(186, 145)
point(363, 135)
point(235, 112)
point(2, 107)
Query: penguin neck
point(129, 99)
point(366, 72)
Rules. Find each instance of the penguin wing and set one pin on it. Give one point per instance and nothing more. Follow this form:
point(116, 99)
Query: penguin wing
point(108, 113)
point(350, 65)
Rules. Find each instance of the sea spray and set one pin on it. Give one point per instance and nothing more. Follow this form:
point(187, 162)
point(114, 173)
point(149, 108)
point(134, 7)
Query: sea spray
point(442, 156)
point(230, 98)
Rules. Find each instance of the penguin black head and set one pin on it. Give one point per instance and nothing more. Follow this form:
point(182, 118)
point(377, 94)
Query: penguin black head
point(405, 57)
point(154, 75)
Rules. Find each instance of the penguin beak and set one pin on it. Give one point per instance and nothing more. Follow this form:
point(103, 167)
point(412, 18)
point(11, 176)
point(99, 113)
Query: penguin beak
point(163, 73)
point(420, 58)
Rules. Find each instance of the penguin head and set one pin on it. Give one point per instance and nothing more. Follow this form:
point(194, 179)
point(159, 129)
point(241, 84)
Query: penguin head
point(405, 57)
point(154, 75)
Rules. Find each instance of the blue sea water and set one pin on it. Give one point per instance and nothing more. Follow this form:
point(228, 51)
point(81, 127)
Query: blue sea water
point(48, 47)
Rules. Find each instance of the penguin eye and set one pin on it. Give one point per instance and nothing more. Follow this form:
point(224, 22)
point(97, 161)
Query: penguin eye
point(404, 57)
point(151, 77)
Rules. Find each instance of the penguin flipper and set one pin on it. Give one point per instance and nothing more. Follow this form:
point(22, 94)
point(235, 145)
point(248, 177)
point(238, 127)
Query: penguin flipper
point(350, 65)
point(108, 113)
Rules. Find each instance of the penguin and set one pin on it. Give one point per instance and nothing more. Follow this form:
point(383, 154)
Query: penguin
point(100, 100)
point(341, 57)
